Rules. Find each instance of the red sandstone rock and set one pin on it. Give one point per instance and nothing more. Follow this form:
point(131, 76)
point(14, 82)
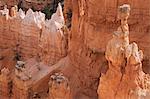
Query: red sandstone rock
point(31, 77)
point(7, 59)
point(30, 31)
point(13, 11)
point(91, 32)
point(59, 87)
point(93, 21)
point(10, 3)
point(125, 76)
point(5, 84)
point(23, 39)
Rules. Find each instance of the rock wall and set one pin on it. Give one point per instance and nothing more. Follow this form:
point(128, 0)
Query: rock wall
point(27, 43)
point(93, 21)
point(28, 33)
point(5, 83)
point(104, 17)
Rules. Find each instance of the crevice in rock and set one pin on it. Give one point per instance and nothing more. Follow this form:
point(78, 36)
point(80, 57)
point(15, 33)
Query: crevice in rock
point(146, 65)
point(122, 70)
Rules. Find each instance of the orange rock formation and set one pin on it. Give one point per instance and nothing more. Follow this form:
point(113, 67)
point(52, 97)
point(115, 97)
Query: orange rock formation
point(34, 45)
point(59, 87)
point(125, 76)
point(37, 48)
point(90, 33)
point(5, 83)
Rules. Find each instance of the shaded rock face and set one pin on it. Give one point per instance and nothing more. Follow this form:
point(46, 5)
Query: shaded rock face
point(10, 3)
point(125, 76)
point(26, 4)
point(93, 21)
point(35, 4)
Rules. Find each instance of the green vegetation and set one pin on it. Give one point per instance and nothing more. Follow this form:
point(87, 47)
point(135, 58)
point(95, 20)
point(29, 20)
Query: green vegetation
point(48, 12)
point(51, 8)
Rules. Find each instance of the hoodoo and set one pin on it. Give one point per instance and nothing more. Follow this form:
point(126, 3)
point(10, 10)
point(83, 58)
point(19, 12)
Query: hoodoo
point(125, 78)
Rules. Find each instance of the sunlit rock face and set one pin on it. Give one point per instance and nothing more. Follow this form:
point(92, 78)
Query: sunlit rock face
point(125, 76)
point(117, 45)
point(31, 35)
point(29, 46)
point(53, 42)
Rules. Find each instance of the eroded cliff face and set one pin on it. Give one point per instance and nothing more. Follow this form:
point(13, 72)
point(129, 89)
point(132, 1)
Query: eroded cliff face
point(33, 36)
point(97, 25)
point(29, 47)
point(44, 47)
point(93, 21)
